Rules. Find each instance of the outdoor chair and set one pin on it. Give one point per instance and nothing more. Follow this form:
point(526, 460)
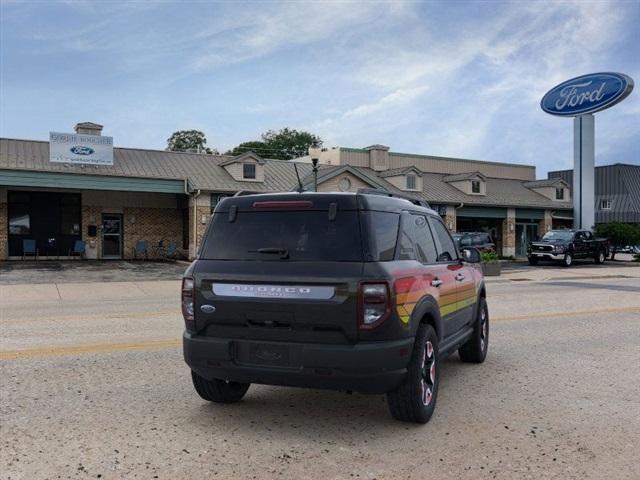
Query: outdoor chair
point(172, 249)
point(79, 248)
point(29, 248)
point(159, 249)
point(142, 249)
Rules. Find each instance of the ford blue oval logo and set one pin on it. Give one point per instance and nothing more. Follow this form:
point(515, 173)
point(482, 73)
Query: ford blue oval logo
point(79, 150)
point(587, 94)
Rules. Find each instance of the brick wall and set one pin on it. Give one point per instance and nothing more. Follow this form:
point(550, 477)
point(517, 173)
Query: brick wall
point(91, 216)
point(545, 224)
point(509, 233)
point(152, 225)
point(450, 218)
point(201, 212)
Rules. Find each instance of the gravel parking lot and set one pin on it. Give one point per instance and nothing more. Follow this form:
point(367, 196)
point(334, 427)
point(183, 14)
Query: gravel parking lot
point(94, 386)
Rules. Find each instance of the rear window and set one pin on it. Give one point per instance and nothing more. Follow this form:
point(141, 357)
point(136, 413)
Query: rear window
point(284, 235)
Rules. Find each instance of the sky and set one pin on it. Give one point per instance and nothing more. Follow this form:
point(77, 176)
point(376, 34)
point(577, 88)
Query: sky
point(451, 78)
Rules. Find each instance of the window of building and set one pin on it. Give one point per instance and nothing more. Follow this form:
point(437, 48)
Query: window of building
point(19, 213)
point(249, 170)
point(475, 186)
point(605, 204)
point(445, 247)
point(411, 182)
point(344, 185)
point(215, 198)
point(70, 214)
point(560, 193)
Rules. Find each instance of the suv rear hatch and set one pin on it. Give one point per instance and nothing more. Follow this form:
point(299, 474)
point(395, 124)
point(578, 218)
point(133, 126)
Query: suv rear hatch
point(280, 268)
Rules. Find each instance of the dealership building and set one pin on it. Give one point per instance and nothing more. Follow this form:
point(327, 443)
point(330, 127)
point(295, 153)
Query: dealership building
point(113, 198)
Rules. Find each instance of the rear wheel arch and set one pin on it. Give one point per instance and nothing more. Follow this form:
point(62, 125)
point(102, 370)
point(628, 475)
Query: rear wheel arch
point(427, 311)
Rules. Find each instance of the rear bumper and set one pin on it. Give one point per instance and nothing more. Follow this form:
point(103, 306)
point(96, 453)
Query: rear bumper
point(373, 367)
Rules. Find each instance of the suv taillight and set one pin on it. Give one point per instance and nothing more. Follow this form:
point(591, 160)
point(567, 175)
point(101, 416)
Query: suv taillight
point(374, 305)
point(187, 302)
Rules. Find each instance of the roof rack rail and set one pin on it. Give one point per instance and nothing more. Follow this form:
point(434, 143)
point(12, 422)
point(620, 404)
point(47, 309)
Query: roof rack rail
point(384, 193)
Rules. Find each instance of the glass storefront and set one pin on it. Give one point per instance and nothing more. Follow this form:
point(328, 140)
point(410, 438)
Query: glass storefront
point(52, 219)
point(525, 233)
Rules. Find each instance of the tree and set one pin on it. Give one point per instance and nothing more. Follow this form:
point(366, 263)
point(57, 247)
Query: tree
point(284, 144)
point(257, 147)
point(619, 234)
point(188, 141)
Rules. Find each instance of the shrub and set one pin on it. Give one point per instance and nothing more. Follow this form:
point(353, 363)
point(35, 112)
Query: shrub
point(619, 234)
point(488, 257)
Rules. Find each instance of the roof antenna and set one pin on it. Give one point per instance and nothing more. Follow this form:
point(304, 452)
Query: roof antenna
point(300, 187)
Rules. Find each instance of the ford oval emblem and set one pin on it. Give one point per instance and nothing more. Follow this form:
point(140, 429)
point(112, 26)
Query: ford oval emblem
point(587, 94)
point(207, 308)
point(80, 150)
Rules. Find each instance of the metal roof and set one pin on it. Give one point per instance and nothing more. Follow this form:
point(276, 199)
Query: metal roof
point(547, 182)
point(201, 170)
point(205, 172)
point(463, 176)
point(620, 184)
point(400, 171)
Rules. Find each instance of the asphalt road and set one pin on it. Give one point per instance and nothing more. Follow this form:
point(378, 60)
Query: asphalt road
point(98, 389)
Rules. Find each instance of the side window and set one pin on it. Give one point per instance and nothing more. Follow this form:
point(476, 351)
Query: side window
point(424, 239)
point(465, 241)
point(588, 236)
point(579, 236)
point(416, 241)
point(478, 239)
point(445, 246)
point(406, 244)
point(382, 230)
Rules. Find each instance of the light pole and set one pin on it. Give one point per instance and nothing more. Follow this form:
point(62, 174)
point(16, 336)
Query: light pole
point(314, 162)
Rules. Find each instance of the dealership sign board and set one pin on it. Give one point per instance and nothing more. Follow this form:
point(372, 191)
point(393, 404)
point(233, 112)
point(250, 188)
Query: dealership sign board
point(587, 94)
point(80, 149)
point(579, 98)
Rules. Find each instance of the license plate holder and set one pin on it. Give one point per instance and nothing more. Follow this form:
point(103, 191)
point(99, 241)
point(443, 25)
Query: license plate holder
point(264, 354)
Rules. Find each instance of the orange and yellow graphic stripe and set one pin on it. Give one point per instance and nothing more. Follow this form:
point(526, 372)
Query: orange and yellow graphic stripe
point(410, 289)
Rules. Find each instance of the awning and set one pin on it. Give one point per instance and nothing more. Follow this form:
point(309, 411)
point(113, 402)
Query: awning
point(29, 178)
point(482, 212)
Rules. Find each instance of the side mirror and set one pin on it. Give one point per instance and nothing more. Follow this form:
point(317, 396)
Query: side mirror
point(471, 255)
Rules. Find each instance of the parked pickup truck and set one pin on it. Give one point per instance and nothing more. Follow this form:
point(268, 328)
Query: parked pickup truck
point(566, 245)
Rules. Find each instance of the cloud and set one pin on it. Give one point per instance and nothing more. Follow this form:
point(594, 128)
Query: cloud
point(484, 80)
point(445, 78)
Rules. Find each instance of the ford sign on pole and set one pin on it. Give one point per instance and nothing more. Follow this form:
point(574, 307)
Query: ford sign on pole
point(80, 149)
point(580, 97)
point(587, 94)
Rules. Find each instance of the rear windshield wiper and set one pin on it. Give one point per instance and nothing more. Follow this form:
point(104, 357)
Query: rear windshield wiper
point(283, 252)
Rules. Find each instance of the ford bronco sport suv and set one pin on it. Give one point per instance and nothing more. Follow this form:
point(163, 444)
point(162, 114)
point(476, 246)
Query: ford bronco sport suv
point(348, 291)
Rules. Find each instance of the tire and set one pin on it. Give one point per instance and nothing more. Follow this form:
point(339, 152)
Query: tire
point(533, 261)
point(415, 399)
point(219, 391)
point(476, 348)
point(568, 260)
point(600, 257)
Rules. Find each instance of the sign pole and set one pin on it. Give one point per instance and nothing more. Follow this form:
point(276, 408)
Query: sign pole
point(583, 171)
point(579, 98)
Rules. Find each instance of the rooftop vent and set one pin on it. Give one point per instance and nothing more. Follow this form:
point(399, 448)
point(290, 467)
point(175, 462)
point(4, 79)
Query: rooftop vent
point(88, 128)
